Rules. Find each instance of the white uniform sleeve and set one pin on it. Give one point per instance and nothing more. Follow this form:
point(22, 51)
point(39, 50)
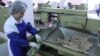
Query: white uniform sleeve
point(10, 28)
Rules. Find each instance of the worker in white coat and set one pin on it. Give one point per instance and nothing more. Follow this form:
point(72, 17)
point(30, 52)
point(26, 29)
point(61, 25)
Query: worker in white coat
point(16, 27)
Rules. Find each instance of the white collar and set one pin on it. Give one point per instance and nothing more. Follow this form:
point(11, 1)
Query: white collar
point(13, 20)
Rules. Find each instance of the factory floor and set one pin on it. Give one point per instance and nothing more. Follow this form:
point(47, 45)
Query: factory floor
point(4, 49)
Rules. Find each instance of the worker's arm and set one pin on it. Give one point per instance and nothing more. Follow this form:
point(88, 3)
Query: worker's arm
point(98, 11)
point(16, 39)
point(12, 34)
point(21, 42)
point(30, 29)
point(33, 31)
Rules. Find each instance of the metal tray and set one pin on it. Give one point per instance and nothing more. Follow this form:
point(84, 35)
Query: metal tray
point(50, 35)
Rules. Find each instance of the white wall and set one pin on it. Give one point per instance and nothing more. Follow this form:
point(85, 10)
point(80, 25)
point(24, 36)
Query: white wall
point(92, 4)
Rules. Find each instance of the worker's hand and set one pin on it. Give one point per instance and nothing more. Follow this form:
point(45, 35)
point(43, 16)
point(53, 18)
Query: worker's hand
point(35, 45)
point(38, 38)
